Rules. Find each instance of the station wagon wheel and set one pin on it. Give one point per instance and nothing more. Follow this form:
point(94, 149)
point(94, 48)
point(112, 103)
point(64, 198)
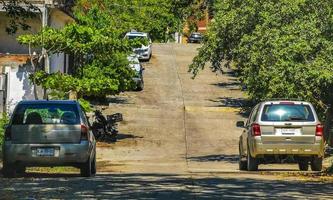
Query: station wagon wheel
point(8, 171)
point(93, 165)
point(86, 168)
point(317, 163)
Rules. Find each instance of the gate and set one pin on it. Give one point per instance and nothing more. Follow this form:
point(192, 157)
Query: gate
point(3, 92)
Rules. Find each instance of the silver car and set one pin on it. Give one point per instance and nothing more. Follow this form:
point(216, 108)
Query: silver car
point(277, 130)
point(48, 133)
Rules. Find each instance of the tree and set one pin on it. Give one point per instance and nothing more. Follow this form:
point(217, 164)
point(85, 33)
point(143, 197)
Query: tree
point(160, 18)
point(282, 48)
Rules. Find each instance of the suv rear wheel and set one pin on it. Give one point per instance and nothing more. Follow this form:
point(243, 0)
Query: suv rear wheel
point(242, 163)
point(303, 165)
point(252, 163)
point(317, 163)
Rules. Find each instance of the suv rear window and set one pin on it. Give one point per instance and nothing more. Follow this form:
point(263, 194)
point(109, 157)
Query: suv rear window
point(286, 112)
point(46, 114)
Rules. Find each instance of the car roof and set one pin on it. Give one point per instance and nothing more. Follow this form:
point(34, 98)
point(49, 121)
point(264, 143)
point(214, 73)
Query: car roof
point(285, 101)
point(48, 102)
point(136, 34)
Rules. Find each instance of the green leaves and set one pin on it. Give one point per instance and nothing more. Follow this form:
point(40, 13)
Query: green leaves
point(282, 48)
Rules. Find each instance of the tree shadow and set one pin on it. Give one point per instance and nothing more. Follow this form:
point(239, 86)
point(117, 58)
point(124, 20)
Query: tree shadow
point(160, 186)
point(221, 157)
point(108, 100)
point(228, 85)
point(123, 136)
point(119, 136)
point(245, 105)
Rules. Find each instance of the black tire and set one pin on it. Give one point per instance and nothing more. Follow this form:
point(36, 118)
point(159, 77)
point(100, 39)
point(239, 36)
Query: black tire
point(86, 168)
point(140, 86)
point(316, 164)
point(8, 171)
point(93, 166)
point(242, 163)
point(303, 164)
point(252, 163)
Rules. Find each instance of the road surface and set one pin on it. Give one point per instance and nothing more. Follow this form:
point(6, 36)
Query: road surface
point(178, 141)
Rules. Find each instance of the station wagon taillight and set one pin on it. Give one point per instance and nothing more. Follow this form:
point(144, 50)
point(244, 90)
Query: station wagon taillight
point(8, 133)
point(256, 130)
point(84, 132)
point(319, 130)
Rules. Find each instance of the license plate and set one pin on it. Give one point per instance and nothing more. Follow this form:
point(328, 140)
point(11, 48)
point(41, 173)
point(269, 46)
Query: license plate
point(288, 131)
point(45, 152)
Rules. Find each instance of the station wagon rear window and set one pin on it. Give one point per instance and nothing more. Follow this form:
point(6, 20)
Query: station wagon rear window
point(287, 112)
point(27, 114)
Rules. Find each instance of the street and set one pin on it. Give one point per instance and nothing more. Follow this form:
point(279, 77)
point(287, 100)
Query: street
point(178, 141)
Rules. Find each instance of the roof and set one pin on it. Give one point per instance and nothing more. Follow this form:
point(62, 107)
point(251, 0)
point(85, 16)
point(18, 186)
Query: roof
point(48, 102)
point(137, 34)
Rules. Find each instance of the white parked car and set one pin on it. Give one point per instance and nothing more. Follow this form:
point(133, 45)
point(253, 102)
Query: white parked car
point(137, 67)
point(145, 52)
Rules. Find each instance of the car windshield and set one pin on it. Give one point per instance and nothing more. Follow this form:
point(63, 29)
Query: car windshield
point(132, 37)
point(46, 114)
point(196, 35)
point(284, 112)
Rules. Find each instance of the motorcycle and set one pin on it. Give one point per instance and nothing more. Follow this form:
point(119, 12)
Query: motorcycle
point(106, 128)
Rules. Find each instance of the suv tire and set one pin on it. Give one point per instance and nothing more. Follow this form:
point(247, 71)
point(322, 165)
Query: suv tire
point(316, 163)
point(252, 163)
point(242, 163)
point(303, 165)
point(86, 168)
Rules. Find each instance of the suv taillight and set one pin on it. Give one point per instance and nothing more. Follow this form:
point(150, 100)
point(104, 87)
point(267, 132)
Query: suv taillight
point(319, 130)
point(84, 132)
point(8, 133)
point(256, 130)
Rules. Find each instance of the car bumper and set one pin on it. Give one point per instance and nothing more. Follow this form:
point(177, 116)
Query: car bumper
point(64, 154)
point(302, 149)
point(143, 54)
point(194, 41)
point(137, 80)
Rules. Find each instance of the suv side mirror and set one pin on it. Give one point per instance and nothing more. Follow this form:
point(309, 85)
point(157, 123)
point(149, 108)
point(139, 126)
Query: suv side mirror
point(240, 124)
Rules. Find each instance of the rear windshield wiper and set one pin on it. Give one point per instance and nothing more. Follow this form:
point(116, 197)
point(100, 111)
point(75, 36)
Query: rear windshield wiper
point(295, 118)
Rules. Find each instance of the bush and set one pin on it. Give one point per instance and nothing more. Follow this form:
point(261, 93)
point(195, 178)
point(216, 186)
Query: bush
point(3, 121)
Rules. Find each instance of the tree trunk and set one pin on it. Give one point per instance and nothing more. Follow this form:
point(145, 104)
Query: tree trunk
point(328, 131)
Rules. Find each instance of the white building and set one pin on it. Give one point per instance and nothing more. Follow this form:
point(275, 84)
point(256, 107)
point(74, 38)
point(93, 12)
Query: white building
point(14, 58)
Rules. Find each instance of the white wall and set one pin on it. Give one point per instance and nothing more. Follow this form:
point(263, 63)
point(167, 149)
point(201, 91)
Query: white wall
point(19, 86)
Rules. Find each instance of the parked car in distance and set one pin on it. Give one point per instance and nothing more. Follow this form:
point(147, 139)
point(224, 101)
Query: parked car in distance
point(138, 68)
point(195, 38)
point(145, 52)
point(276, 130)
point(48, 133)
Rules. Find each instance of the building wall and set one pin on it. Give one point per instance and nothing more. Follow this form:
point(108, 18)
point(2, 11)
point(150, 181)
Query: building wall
point(19, 86)
point(8, 43)
point(58, 20)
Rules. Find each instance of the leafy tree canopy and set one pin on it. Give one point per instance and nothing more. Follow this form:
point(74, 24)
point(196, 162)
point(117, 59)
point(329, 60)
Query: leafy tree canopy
point(283, 48)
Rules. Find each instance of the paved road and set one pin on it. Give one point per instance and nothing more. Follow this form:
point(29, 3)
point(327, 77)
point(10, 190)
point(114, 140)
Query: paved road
point(178, 141)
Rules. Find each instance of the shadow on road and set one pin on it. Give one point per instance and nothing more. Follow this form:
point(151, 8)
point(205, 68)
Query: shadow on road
point(159, 186)
point(208, 158)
